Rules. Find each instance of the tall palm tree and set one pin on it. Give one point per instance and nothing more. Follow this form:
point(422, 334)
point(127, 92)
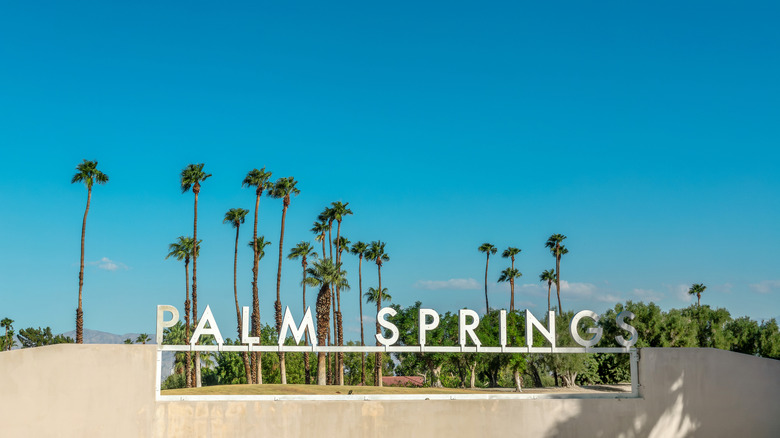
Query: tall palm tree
point(359, 249)
point(549, 277)
point(260, 244)
point(342, 243)
point(303, 251)
point(191, 177)
point(488, 249)
point(260, 180)
point(557, 250)
point(183, 249)
point(319, 229)
point(87, 173)
point(236, 217)
point(327, 216)
point(282, 189)
point(7, 324)
point(376, 253)
point(510, 274)
point(324, 274)
point(510, 253)
point(697, 290)
point(143, 338)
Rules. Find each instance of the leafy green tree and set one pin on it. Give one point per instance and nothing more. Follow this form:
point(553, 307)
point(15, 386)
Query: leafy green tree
point(359, 249)
point(376, 253)
point(697, 289)
point(282, 189)
point(182, 249)
point(769, 340)
point(260, 180)
point(303, 251)
point(143, 338)
point(426, 364)
point(324, 274)
point(87, 173)
point(557, 250)
point(510, 275)
point(745, 334)
point(31, 337)
point(191, 177)
point(711, 323)
point(488, 249)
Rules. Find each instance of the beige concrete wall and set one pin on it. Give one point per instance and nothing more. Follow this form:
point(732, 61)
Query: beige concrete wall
point(107, 390)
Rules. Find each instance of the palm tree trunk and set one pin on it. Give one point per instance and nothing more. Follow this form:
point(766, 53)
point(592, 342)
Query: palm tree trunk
point(306, 368)
point(549, 286)
point(79, 309)
point(245, 356)
point(195, 189)
point(378, 356)
point(187, 320)
point(278, 304)
point(339, 322)
point(362, 341)
point(257, 369)
point(323, 316)
point(558, 282)
point(487, 305)
point(512, 300)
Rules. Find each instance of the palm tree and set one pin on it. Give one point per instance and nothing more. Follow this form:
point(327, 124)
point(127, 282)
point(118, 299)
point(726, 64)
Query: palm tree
point(259, 179)
point(342, 243)
point(143, 338)
point(183, 249)
point(510, 253)
point(376, 253)
point(359, 249)
point(87, 173)
point(372, 296)
point(303, 250)
point(324, 274)
point(319, 229)
point(557, 250)
point(488, 249)
point(191, 177)
point(7, 324)
point(697, 290)
point(260, 244)
point(128, 341)
point(282, 189)
point(549, 277)
point(510, 274)
point(236, 217)
point(327, 216)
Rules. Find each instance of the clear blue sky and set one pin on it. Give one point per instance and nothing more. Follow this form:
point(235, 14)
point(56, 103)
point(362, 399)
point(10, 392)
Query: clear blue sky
point(646, 132)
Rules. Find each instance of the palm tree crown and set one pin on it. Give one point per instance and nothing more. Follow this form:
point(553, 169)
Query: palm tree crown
point(261, 244)
point(302, 250)
point(235, 216)
point(488, 249)
point(259, 179)
point(192, 176)
point(376, 252)
point(326, 272)
point(283, 188)
point(510, 253)
point(373, 295)
point(183, 248)
point(88, 173)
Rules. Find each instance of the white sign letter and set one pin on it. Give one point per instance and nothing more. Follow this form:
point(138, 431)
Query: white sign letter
point(288, 323)
point(575, 334)
point(380, 317)
point(424, 326)
point(622, 324)
point(531, 322)
point(502, 327)
point(245, 338)
point(162, 323)
point(464, 328)
point(201, 329)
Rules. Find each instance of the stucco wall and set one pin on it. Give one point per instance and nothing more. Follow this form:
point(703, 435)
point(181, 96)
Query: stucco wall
point(108, 390)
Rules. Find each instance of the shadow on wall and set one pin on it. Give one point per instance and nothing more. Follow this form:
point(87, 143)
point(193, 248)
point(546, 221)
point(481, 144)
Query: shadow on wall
point(688, 392)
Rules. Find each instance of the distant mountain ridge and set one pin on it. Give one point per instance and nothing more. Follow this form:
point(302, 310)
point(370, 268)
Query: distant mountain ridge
point(98, 337)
